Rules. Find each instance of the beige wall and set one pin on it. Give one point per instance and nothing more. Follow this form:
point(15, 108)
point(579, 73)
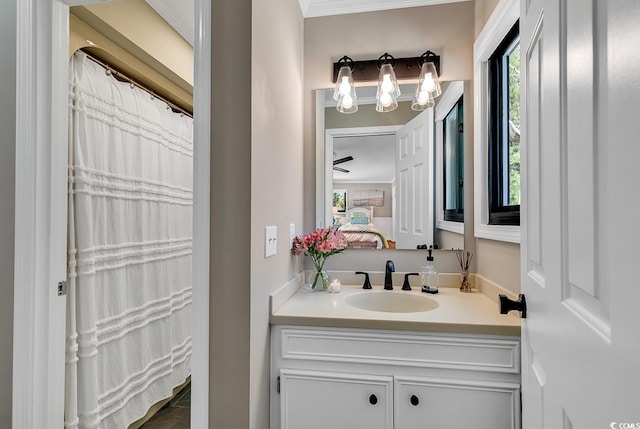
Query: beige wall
point(445, 29)
point(496, 260)
point(276, 173)
point(7, 198)
point(230, 264)
point(483, 10)
point(499, 262)
point(449, 240)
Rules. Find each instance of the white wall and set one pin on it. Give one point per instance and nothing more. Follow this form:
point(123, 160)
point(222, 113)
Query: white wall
point(7, 197)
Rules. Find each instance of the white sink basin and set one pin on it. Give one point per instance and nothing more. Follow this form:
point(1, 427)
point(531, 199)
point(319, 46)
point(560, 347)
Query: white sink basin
point(391, 302)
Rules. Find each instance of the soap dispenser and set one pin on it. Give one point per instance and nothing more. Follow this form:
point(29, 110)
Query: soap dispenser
point(429, 275)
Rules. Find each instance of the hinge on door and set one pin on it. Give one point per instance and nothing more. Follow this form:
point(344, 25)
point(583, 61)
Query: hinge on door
point(278, 384)
point(62, 288)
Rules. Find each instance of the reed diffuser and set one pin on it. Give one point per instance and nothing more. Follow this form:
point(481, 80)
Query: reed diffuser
point(464, 259)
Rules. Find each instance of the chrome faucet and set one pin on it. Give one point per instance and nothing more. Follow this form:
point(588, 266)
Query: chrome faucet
point(388, 269)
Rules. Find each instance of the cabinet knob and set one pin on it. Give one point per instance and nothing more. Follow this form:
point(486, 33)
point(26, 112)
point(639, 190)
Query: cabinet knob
point(414, 400)
point(373, 399)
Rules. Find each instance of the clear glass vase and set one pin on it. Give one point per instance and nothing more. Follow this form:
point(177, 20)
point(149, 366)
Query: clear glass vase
point(465, 284)
point(318, 280)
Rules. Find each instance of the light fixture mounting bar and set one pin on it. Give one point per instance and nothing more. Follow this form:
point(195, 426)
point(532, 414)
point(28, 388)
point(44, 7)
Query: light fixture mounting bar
point(405, 68)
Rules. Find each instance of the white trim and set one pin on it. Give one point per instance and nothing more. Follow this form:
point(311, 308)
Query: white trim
point(314, 8)
point(201, 216)
point(40, 221)
point(324, 163)
point(25, 273)
point(502, 19)
point(41, 216)
point(322, 181)
point(453, 93)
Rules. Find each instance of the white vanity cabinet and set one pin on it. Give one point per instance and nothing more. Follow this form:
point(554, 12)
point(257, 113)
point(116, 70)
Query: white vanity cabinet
point(321, 400)
point(343, 378)
point(444, 403)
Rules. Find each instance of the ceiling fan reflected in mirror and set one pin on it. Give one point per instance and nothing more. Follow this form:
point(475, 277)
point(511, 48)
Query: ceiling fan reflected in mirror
point(340, 161)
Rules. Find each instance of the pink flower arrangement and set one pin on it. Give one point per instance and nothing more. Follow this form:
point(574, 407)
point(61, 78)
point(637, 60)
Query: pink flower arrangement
point(320, 244)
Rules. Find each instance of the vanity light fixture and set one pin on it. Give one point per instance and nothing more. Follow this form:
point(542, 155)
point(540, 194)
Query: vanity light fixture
point(428, 87)
point(345, 91)
point(388, 89)
point(387, 70)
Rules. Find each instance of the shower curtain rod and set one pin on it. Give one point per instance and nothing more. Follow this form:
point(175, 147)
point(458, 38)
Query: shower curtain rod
point(122, 76)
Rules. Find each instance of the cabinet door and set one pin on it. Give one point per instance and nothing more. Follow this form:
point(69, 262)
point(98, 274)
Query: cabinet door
point(443, 403)
point(321, 400)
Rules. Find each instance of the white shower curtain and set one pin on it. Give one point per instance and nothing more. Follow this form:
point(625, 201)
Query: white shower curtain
point(129, 240)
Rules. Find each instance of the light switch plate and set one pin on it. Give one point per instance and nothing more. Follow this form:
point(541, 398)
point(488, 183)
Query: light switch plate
point(292, 233)
point(270, 241)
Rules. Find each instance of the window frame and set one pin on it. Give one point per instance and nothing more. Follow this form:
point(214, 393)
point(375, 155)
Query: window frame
point(501, 21)
point(451, 95)
point(453, 215)
point(499, 212)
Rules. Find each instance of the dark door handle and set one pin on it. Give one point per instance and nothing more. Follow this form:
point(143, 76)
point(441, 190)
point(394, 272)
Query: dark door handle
point(373, 399)
point(414, 400)
point(506, 305)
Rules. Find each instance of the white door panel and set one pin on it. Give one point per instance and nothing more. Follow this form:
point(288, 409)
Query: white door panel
point(570, 233)
point(414, 181)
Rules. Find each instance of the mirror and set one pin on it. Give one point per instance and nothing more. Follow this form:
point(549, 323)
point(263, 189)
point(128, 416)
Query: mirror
point(366, 184)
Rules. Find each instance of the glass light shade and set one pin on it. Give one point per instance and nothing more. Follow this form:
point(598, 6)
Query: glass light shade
point(345, 92)
point(388, 89)
point(422, 100)
point(347, 104)
point(429, 80)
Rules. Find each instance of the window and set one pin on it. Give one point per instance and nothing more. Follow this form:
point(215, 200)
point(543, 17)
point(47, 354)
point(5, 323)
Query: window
point(504, 131)
point(453, 164)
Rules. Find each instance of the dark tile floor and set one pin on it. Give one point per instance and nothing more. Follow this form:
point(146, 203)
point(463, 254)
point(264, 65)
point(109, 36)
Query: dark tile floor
point(175, 415)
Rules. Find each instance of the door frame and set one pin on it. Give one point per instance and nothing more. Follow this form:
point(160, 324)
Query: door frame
point(41, 212)
point(325, 173)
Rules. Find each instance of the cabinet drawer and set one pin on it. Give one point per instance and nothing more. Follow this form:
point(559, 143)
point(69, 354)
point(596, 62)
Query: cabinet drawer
point(448, 403)
point(321, 400)
point(474, 353)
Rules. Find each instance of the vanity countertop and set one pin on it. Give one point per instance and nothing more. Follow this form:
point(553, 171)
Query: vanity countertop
point(457, 312)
